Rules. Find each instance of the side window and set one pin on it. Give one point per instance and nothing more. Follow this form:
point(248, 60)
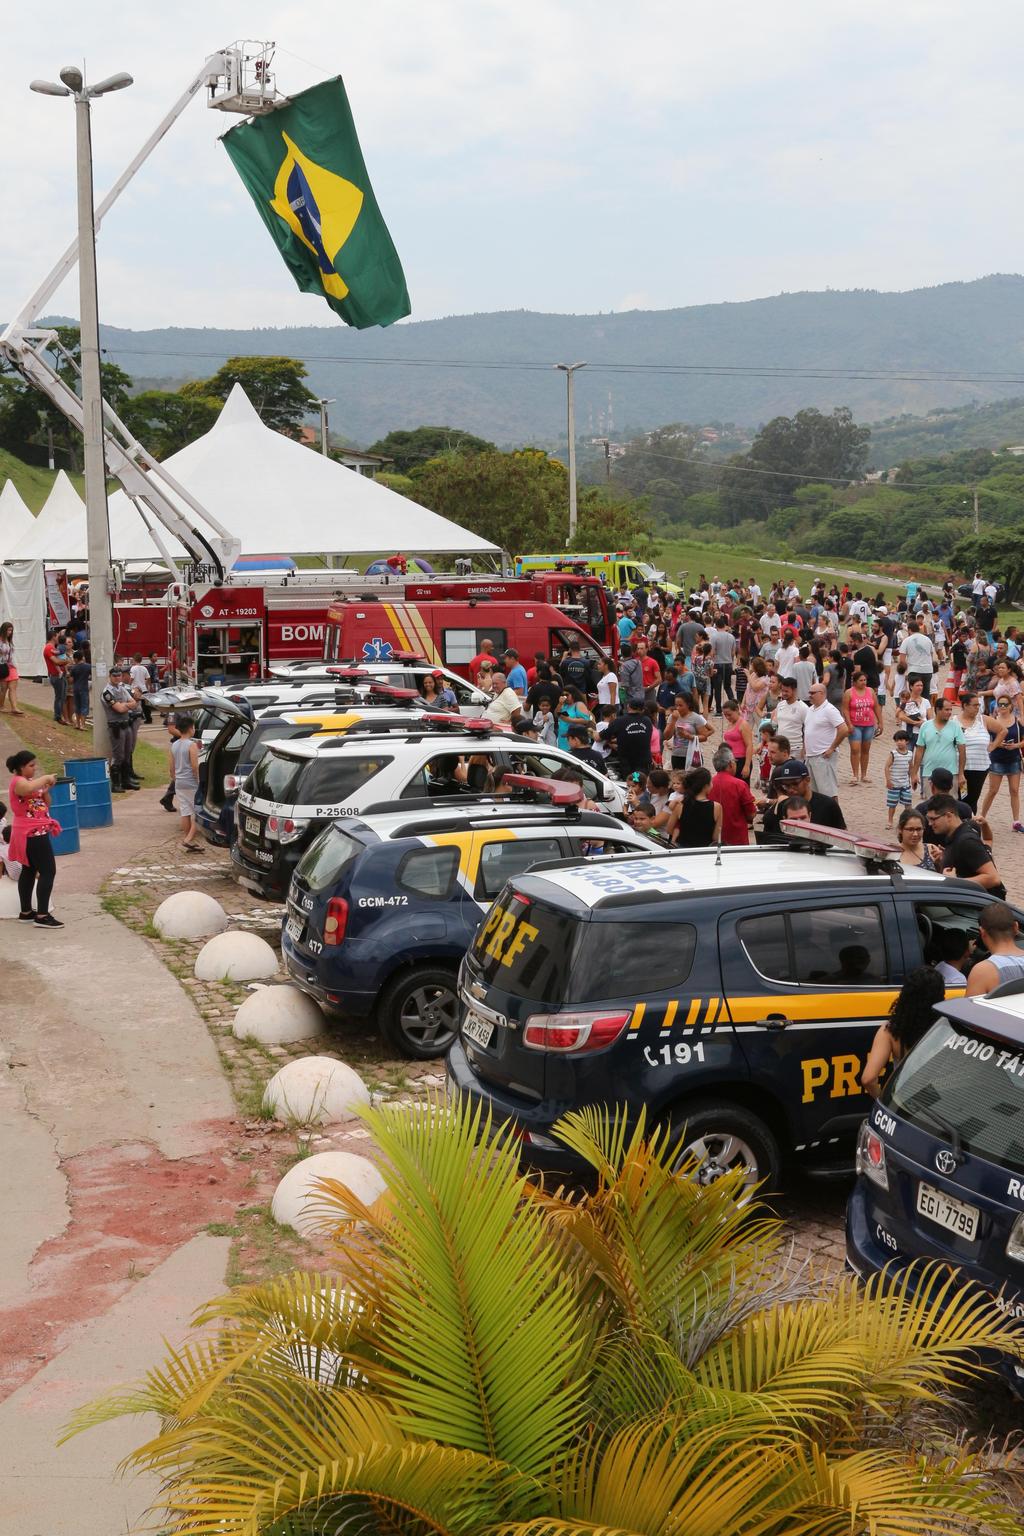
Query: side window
point(459, 646)
point(549, 767)
point(765, 939)
point(595, 844)
point(503, 861)
point(840, 947)
point(948, 931)
point(429, 871)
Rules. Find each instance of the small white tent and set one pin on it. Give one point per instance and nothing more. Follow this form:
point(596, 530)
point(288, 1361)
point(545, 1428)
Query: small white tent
point(15, 519)
point(58, 533)
point(279, 497)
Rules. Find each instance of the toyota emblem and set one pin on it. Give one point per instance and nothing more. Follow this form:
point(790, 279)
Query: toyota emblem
point(477, 990)
point(945, 1162)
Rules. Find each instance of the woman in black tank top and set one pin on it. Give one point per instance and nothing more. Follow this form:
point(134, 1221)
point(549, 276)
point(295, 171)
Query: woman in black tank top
point(700, 819)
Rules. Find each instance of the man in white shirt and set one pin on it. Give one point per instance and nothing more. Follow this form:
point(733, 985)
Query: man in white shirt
point(921, 658)
point(755, 593)
point(824, 729)
point(140, 676)
point(769, 620)
point(506, 707)
point(787, 656)
point(978, 585)
point(790, 714)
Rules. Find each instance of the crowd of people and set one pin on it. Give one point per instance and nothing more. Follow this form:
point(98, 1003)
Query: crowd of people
point(739, 710)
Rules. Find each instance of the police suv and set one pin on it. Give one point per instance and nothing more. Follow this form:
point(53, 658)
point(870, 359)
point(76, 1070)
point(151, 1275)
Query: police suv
point(382, 907)
point(288, 683)
point(297, 787)
point(733, 992)
point(941, 1157)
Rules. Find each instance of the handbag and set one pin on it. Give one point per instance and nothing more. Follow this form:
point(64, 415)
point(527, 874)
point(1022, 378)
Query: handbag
point(5, 671)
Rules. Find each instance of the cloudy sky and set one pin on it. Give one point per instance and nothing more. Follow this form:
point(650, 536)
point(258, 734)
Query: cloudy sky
point(565, 155)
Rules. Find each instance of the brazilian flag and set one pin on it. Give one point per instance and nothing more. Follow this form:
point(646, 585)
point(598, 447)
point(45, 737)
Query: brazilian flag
point(304, 170)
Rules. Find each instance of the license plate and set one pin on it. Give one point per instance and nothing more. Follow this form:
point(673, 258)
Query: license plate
point(252, 826)
point(955, 1215)
point(294, 927)
point(477, 1029)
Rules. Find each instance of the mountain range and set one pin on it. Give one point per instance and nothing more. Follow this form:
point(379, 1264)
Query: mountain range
point(883, 354)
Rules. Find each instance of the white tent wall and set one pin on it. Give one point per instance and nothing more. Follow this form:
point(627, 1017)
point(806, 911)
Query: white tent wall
point(16, 521)
point(58, 532)
point(23, 604)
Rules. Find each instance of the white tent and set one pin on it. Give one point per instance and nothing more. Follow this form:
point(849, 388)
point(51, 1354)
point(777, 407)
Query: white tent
point(58, 531)
point(276, 496)
point(15, 518)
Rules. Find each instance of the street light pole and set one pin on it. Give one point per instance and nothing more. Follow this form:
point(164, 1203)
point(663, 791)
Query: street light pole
point(569, 369)
point(101, 618)
point(323, 425)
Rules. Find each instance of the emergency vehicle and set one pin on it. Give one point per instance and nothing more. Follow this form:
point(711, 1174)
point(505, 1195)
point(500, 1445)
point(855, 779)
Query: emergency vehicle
point(233, 633)
point(617, 569)
point(732, 995)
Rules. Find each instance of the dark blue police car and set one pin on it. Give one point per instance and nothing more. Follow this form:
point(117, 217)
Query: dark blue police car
point(941, 1156)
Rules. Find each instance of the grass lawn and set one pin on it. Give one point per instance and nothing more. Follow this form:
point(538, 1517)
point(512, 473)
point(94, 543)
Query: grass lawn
point(724, 560)
point(52, 743)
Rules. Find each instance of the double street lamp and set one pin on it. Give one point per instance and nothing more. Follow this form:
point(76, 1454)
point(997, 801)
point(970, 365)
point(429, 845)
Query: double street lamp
point(101, 623)
point(569, 369)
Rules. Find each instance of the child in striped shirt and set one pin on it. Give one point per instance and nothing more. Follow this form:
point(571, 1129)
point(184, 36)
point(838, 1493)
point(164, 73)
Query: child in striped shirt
point(897, 774)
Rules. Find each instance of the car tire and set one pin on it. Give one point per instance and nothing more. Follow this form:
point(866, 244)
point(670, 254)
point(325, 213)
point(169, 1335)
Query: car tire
point(726, 1135)
point(418, 1013)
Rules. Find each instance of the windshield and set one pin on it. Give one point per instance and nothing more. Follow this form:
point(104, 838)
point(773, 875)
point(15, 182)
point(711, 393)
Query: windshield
point(958, 1078)
point(266, 732)
point(547, 955)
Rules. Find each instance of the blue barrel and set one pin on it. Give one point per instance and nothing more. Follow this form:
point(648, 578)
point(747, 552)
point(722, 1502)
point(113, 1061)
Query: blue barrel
point(64, 808)
point(92, 780)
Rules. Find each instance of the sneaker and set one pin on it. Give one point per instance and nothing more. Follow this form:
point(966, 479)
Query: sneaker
point(48, 921)
point(1018, 826)
point(26, 917)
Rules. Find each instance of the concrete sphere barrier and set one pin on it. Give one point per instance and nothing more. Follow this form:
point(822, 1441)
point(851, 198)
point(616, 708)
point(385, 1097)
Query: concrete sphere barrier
point(278, 1015)
point(315, 1090)
point(235, 956)
point(10, 902)
point(296, 1198)
point(189, 915)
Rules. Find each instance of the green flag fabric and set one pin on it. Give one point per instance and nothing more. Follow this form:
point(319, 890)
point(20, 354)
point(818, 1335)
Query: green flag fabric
point(304, 170)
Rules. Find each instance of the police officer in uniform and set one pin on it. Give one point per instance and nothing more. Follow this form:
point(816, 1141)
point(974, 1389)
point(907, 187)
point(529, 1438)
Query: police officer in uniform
point(136, 689)
point(119, 705)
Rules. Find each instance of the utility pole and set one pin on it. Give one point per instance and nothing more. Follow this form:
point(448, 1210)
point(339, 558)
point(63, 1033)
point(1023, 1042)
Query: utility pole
point(101, 617)
point(569, 369)
point(323, 426)
point(605, 443)
point(976, 510)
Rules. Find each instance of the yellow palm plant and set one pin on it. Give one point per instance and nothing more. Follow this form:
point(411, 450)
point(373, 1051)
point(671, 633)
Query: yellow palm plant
point(492, 1360)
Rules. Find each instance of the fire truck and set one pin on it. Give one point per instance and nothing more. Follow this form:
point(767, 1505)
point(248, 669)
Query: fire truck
point(232, 633)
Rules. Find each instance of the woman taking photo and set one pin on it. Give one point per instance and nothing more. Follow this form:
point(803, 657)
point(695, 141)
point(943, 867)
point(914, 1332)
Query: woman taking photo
point(8, 671)
point(754, 704)
point(31, 830)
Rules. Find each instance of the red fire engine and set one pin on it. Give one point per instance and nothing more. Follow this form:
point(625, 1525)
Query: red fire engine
point(232, 632)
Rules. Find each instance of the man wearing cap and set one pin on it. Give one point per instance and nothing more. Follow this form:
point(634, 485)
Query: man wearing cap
point(794, 778)
point(791, 715)
point(824, 730)
point(119, 705)
point(579, 746)
point(515, 672)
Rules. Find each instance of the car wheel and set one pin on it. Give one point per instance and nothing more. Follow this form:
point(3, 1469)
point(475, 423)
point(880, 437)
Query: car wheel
point(723, 1137)
point(419, 1012)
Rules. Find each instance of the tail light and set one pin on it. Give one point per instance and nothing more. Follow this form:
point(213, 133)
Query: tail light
point(871, 1157)
point(336, 920)
point(232, 783)
point(1015, 1241)
point(572, 1034)
point(285, 829)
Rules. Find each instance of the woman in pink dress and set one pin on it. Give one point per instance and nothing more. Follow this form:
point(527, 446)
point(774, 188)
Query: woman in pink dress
point(754, 704)
point(31, 830)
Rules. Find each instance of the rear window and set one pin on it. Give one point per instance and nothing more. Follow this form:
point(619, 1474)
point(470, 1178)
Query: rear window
point(956, 1078)
point(545, 955)
point(326, 857)
point(263, 734)
point(311, 781)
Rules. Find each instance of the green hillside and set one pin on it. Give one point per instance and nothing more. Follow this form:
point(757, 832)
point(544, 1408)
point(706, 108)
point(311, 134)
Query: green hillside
point(882, 354)
point(1000, 425)
point(33, 484)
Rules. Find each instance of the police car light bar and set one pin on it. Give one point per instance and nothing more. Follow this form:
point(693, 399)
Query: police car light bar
point(456, 722)
point(870, 848)
point(347, 674)
point(558, 791)
point(413, 656)
point(387, 691)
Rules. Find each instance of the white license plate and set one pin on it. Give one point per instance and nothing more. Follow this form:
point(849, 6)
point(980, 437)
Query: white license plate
point(294, 927)
point(252, 826)
point(955, 1215)
point(477, 1029)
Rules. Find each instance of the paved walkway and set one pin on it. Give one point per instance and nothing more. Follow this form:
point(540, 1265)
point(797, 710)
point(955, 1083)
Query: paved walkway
point(113, 1110)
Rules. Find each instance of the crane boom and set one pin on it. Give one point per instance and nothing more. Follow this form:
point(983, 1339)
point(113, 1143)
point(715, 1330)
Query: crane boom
point(237, 81)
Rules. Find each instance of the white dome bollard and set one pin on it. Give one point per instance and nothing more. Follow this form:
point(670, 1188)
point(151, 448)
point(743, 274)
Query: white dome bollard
point(189, 915)
point(10, 901)
point(297, 1200)
point(235, 956)
point(278, 1016)
point(315, 1090)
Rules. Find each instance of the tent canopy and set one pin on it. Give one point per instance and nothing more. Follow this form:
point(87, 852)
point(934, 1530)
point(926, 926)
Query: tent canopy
point(59, 526)
point(16, 521)
point(273, 494)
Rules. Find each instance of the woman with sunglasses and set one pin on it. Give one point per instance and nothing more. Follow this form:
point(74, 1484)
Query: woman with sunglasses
point(1004, 757)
